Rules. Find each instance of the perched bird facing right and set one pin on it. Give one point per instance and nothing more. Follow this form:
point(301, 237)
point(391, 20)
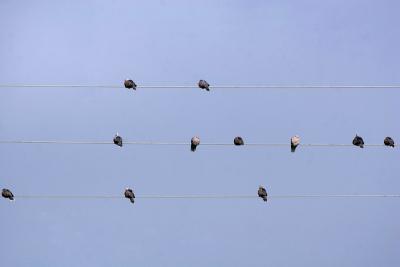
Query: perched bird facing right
point(262, 193)
point(238, 141)
point(129, 194)
point(6, 193)
point(117, 140)
point(294, 142)
point(388, 141)
point(129, 84)
point(194, 142)
point(204, 85)
point(358, 141)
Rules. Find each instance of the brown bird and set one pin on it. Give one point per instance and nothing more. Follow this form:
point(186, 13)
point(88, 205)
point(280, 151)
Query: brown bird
point(117, 140)
point(6, 193)
point(388, 141)
point(358, 141)
point(262, 193)
point(194, 142)
point(204, 85)
point(129, 84)
point(238, 141)
point(129, 194)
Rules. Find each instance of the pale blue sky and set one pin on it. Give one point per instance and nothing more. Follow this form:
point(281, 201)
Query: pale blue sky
point(225, 42)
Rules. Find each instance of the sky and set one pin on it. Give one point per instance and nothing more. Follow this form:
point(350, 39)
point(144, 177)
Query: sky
point(167, 42)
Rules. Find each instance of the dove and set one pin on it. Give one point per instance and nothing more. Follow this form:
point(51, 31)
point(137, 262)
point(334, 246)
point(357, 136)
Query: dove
point(204, 85)
point(388, 141)
point(238, 141)
point(129, 84)
point(6, 193)
point(294, 142)
point(194, 142)
point(358, 141)
point(262, 193)
point(117, 140)
point(129, 194)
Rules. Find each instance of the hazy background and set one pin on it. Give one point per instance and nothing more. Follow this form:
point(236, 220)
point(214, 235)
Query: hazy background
point(340, 42)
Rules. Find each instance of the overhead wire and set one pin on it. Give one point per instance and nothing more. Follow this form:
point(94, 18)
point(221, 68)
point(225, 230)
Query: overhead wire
point(155, 143)
point(196, 196)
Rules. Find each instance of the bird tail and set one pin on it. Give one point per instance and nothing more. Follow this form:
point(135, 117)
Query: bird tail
point(208, 89)
point(193, 148)
point(293, 148)
point(362, 145)
point(265, 199)
point(132, 200)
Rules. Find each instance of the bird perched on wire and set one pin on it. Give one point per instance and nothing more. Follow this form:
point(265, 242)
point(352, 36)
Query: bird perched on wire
point(204, 85)
point(238, 141)
point(358, 141)
point(130, 195)
point(262, 193)
point(388, 141)
point(194, 142)
point(129, 84)
point(6, 193)
point(294, 142)
point(117, 140)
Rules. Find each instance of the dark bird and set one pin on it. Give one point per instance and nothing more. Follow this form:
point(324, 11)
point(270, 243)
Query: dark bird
point(294, 142)
point(194, 143)
point(129, 84)
point(6, 193)
point(238, 141)
point(358, 141)
point(262, 193)
point(204, 85)
point(129, 194)
point(388, 141)
point(117, 140)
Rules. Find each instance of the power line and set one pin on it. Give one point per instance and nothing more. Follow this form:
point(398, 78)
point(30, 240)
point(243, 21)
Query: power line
point(211, 87)
point(156, 143)
point(190, 196)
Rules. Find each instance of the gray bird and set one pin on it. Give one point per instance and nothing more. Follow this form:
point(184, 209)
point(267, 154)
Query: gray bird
point(238, 141)
point(358, 141)
point(294, 142)
point(204, 85)
point(129, 194)
point(388, 141)
point(129, 84)
point(6, 193)
point(194, 142)
point(262, 193)
point(117, 140)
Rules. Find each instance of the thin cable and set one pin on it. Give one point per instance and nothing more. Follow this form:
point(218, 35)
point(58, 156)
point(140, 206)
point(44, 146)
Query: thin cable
point(172, 143)
point(312, 196)
point(211, 87)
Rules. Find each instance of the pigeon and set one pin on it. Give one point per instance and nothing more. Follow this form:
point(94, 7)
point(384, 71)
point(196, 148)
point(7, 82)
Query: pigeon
point(388, 141)
point(238, 141)
point(194, 143)
point(129, 84)
point(117, 140)
point(204, 85)
point(129, 194)
point(262, 193)
point(6, 193)
point(294, 142)
point(358, 141)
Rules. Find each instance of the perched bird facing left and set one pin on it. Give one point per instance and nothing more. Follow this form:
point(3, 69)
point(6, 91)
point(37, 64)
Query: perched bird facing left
point(117, 140)
point(204, 85)
point(262, 193)
point(6, 193)
point(129, 194)
point(238, 141)
point(294, 142)
point(388, 141)
point(194, 142)
point(129, 84)
point(358, 141)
